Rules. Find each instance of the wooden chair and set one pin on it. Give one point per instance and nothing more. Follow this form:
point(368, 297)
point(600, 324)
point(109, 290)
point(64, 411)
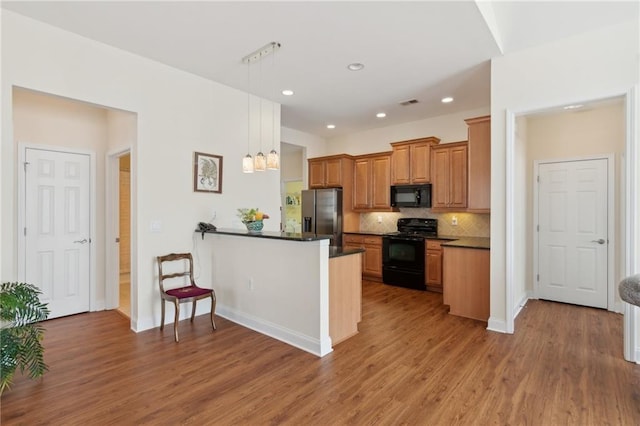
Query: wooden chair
point(187, 293)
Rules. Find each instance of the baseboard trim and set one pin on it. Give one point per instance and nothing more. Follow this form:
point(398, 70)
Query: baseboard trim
point(288, 336)
point(521, 304)
point(498, 325)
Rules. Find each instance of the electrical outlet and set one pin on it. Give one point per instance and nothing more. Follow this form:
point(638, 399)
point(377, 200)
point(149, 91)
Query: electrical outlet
point(454, 220)
point(251, 284)
point(379, 219)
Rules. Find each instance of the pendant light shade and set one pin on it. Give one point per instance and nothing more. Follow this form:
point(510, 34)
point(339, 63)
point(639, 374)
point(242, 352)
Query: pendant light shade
point(247, 164)
point(273, 160)
point(260, 162)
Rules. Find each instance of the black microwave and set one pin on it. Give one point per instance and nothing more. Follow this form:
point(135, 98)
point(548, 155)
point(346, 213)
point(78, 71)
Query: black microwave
point(411, 195)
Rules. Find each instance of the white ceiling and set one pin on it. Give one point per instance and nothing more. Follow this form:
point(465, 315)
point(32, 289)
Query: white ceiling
point(411, 50)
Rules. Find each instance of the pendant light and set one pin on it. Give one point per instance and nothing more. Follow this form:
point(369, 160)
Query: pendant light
point(260, 160)
point(247, 161)
point(260, 163)
point(273, 161)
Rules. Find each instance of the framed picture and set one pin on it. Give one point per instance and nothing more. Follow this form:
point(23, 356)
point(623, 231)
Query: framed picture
point(207, 173)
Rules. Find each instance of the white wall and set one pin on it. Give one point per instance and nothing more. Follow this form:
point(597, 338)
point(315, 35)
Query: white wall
point(594, 65)
point(448, 128)
point(178, 113)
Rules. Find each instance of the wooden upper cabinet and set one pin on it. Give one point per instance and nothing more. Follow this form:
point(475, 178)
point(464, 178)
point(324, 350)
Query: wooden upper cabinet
point(361, 184)
point(402, 165)
point(420, 162)
point(479, 132)
point(449, 173)
point(334, 172)
point(372, 179)
point(411, 163)
point(381, 182)
point(330, 172)
point(317, 174)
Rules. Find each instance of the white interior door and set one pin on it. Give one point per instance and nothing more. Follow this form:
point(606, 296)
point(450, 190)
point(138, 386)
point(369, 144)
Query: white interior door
point(572, 235)
point(57, 228)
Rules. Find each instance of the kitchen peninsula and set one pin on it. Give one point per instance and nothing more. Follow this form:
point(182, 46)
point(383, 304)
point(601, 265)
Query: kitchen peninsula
point(293, 287)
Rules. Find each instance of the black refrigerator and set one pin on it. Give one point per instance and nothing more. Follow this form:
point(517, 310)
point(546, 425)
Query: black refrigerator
point(322, 213)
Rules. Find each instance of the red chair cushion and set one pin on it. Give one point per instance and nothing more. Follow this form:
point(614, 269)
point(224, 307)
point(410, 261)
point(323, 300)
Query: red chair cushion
point(185, 292)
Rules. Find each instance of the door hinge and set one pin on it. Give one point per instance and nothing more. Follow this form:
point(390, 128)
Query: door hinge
point(25, 164)
point(25, 231)
point(538, 228)
point(538, 277)
point(538, 178)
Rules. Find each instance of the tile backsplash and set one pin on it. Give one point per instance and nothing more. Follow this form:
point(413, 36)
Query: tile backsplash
point(469, 224)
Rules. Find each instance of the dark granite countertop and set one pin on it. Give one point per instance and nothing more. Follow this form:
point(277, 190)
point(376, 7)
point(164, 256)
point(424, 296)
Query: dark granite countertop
point(470, 242)
point(290, 236)
point(339, 251)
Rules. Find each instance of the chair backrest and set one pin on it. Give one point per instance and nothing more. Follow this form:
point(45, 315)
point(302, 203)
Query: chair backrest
point(184, 272)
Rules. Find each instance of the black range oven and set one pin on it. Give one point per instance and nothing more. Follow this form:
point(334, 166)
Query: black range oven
point(403, 252)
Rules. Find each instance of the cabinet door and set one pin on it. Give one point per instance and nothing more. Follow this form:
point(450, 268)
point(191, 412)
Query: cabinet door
point(316, 174)
point(372, 265)
point(361, 184)
point(333, 173)
point(458, 177)
point(479, 196)
point(380, 197)
point(401, 159)
point(420, 167)
point(434, 268)
point(440, 172)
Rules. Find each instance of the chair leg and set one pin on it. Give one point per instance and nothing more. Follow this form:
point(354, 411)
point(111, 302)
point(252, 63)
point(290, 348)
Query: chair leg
point(213, 309)
point(162, 321)
point(175, 322)
point(193, 309)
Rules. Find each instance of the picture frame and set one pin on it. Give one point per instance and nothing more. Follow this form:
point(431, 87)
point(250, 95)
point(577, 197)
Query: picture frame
point(207, 173)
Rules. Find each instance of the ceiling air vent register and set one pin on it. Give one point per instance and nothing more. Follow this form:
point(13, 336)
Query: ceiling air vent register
point(409, 102)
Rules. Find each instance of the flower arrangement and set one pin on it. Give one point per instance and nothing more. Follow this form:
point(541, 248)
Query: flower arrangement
point(251, 215)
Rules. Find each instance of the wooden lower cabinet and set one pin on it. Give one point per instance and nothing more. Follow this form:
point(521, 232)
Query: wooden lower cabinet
point(372, 258)
point(345, 297)
point(433, 265)
point(465, 279)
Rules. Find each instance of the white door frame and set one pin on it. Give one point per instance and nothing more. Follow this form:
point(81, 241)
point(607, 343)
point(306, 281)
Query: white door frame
point(631, 182)
point(611, 244)
point(21, 255)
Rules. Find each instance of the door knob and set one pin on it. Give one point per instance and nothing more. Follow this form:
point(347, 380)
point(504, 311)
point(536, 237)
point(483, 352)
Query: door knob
point(600, 241)
point(84, 240)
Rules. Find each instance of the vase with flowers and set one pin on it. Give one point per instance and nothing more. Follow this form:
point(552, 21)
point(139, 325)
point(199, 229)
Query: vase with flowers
point(252, 219)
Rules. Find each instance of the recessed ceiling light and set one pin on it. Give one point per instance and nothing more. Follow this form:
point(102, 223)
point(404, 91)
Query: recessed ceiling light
point(287, 92)
point(356, 66)
point(573, 106)
point(447, 100)
point(331, 126)
point(381, 115)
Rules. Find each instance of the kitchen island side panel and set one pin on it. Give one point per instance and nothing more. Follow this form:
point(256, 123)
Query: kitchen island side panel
point(277, 287)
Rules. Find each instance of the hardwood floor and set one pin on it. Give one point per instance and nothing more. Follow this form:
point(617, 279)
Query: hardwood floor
point(411, 363)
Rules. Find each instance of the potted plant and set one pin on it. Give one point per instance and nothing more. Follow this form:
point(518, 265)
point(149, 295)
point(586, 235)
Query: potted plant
point(20, 332)
point(252, 219)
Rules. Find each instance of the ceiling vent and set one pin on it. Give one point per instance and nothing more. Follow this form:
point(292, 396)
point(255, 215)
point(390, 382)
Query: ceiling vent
point(409, 102)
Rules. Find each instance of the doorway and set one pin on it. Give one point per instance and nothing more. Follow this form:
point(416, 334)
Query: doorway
point(597, 127)
point(572, 211)
point(124, 234)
